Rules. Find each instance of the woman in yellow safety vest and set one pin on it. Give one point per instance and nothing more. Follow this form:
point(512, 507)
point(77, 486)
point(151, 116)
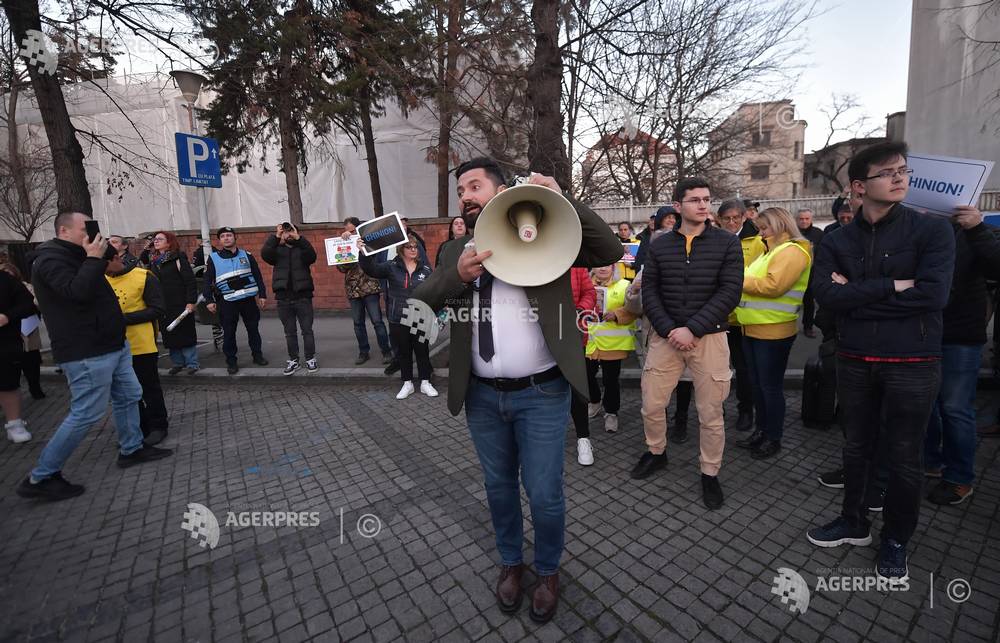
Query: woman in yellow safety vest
point(773, 287)
point(608, 344)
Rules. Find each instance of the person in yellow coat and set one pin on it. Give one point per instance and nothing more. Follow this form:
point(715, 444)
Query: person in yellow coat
point(608, 344)
point(773, 288)
point(732, 217)
point(141, 300)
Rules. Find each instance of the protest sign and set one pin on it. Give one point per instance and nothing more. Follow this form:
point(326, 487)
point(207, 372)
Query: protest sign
point(630, 251)
point(939, 183)
point(339, 251)
point(382, 233)
point(602, 298)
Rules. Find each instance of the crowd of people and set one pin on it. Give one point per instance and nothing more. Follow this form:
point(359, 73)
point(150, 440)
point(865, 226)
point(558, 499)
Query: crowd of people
point(901, 297)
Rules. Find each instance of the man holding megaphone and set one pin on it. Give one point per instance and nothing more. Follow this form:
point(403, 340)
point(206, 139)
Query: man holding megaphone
point(515, 352)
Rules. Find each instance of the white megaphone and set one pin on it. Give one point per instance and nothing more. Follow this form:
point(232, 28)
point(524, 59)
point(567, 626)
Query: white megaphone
point(534, 233)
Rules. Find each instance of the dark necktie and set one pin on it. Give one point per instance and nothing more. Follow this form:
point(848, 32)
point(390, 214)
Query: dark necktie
point(485, 323)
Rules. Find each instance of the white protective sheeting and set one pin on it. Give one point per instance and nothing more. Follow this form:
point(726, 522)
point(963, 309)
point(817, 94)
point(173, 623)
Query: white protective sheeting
point(335, 187)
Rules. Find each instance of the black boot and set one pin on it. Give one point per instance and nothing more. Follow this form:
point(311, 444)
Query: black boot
point(756, 439)
point(745, 420)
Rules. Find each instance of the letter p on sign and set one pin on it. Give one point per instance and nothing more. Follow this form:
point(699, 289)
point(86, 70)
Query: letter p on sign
point(197, 151)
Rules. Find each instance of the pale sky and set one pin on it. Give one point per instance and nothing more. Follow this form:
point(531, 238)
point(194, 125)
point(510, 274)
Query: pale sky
point(860, 47)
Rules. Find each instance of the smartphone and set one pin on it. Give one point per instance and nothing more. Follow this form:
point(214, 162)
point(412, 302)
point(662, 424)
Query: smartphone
point(93, 229)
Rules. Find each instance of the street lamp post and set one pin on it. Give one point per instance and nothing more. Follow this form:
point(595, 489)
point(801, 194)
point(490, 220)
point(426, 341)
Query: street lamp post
point(190, 84)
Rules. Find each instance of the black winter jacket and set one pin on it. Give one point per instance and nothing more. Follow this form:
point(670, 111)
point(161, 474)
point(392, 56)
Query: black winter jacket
point(401, 283)
point(291, 261)
point(977, 258)
point(78, 305)
point(697, 291)
point(872, 319)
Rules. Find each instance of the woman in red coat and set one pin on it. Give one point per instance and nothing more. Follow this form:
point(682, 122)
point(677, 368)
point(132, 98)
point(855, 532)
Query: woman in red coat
point(585, 300)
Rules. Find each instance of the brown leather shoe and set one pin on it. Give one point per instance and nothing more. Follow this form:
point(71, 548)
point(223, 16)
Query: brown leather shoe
point(545, 599)
point(509, 593)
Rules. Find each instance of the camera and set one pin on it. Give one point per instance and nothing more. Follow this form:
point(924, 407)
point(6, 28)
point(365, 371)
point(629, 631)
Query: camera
point(287, 227)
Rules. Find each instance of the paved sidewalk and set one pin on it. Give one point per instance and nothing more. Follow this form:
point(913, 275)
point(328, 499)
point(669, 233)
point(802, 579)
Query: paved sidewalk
point(404, 549)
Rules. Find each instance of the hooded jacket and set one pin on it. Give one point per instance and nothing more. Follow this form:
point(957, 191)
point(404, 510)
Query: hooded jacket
point(78, 305)
point(400, 282)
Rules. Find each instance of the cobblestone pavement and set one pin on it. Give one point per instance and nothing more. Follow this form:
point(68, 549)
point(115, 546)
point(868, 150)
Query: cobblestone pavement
point(644, 560)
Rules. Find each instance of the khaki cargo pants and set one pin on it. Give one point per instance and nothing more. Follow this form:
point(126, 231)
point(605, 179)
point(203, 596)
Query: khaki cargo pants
point(709, 366)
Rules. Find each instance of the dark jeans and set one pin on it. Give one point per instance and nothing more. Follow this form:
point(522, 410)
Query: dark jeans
point(808, 308)
point(369, 305)
point(951, 433)
point(578, 411)
point(522, 434)
point(744, 383)
point(407, 346)
point(902, 394)
point(612, 370)
point(766, 361)
point(230, 313)
point(152, 410)
point(300, 309)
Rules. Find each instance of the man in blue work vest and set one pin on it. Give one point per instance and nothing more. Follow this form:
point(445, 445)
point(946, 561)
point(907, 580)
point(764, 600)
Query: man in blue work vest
point(234, 284)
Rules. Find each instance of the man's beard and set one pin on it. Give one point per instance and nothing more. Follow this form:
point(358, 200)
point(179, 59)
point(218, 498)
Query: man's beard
point(470, 218)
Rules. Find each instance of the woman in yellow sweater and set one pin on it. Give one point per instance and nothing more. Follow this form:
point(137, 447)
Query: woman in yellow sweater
point(773, 287)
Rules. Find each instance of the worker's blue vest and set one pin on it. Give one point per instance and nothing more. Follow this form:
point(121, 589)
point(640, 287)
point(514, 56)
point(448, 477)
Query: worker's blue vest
point(233, 276)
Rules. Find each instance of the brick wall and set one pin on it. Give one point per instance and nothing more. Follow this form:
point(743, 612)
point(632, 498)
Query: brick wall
point(329, 282)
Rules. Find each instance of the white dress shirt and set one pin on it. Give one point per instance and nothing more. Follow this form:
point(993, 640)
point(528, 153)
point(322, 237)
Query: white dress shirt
point(519, 348)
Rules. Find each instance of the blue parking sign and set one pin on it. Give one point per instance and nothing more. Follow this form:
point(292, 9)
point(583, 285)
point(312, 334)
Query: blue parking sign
point(198, 161)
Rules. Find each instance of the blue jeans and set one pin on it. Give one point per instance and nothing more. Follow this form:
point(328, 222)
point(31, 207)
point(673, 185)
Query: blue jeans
point(766, 362)
point(359, 307)
point(92, 381)
point(523, 431)
point(953, 417)
point(187, 356)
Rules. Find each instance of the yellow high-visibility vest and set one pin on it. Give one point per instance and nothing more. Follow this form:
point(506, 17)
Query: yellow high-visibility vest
point(753, 247)
point(609, 336)
point(754, 310)
point(130, 288)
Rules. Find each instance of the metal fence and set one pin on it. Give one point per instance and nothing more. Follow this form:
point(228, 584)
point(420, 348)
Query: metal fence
point(821, 206)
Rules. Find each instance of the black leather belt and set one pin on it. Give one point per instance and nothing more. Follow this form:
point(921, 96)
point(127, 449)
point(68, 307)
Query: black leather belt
point(520, 383)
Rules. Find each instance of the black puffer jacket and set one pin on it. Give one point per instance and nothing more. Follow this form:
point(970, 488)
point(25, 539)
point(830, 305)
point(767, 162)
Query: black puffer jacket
point(977, 258)
point(872, 319)
point(16, 303)
point(291, 261)
point(401, 283)
point(78, 305)
point(697, 291)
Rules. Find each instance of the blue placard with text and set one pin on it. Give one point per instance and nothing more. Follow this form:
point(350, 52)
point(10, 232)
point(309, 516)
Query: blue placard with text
point(198, 161)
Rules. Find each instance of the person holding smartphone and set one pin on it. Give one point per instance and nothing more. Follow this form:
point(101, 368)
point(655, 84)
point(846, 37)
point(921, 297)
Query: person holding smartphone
point(232, 278)
point(291, 254)
point(87, 333)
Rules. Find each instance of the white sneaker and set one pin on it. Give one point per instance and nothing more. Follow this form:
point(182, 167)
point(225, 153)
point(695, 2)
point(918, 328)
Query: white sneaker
point(611, 423)
point(17, 431)
point(593, 409)
point(584, 452)
point(312, 365)
point(406, 391)
point(427, 389)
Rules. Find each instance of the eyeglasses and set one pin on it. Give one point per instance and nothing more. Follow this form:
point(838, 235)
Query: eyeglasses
point(891, 174)
point(410, 246)
point(733, 219)
point(706, 200)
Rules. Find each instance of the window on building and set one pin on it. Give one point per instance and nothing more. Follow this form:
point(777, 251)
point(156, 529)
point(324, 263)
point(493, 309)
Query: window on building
point(761, 138)
point(795, 190)
point(798, 150)
point(760, 172)
point(805, 180)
